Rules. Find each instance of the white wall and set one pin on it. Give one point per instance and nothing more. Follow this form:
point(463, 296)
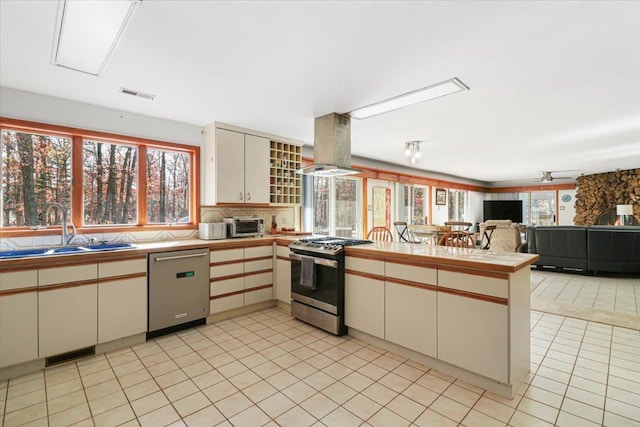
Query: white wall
point(566, 207)
point(475, 212)
point(17, 104)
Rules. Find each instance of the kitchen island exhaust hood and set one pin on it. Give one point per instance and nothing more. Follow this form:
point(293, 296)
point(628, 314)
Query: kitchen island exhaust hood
point(331, 147)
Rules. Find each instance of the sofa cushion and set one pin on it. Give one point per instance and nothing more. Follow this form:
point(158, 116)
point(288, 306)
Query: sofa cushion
point(562, 246)
point(614, 249)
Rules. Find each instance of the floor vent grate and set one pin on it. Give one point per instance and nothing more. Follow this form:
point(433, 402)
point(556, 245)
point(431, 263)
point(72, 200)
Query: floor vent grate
point(72, 355)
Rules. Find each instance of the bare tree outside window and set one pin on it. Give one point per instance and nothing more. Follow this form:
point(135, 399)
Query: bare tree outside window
point(168, 191)
point(457, 205)
point(36, 170)
point(110, 186)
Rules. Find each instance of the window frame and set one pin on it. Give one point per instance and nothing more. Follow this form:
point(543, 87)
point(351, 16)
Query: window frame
point(78, 136)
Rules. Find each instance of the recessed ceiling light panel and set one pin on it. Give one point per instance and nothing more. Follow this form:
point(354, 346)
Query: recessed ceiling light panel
point(87, 32)
point(437, 90)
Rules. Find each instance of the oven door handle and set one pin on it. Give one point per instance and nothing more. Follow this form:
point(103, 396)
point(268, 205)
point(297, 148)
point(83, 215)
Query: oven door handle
point(320, 261)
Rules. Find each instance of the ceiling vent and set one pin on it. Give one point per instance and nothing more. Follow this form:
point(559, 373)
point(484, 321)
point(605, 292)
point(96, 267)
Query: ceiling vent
point(138, 94)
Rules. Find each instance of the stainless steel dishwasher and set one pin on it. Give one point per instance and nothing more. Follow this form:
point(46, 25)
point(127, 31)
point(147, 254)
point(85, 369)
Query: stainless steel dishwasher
point(178, 290)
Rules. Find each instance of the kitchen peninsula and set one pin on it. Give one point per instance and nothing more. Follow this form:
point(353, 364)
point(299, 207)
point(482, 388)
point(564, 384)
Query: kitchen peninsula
point(462, 311)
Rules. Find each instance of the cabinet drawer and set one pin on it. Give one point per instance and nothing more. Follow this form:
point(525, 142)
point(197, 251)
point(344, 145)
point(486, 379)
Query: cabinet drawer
point(258, 251)
point(253, 280)
point(226, 255)
point(258, 265)
point(282, 251)
point(226, 270)
point(18, 279)
point(122, 268)
point(226, 303)
point(427, 276)
point(474, 283)
point(259, 295)
point(222, 287)
point(70, 274)
point(365, 265)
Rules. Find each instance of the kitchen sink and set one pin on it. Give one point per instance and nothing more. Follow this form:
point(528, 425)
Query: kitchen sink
point(65, 250)
point(108, 246)
point(62, 250)
point(22, 253)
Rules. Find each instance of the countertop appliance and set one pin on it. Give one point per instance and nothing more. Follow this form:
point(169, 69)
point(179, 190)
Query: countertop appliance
point(212, 230)
point(244, 226)
point(178, 290)
point(317, 281)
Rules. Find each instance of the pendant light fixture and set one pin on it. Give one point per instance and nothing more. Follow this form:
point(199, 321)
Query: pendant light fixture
point(412, 151)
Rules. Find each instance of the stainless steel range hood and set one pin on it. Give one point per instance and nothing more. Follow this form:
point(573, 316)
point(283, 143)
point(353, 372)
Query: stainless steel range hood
point(331, 147)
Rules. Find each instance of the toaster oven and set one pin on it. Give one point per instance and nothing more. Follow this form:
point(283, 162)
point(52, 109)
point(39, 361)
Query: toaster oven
point(244, 226)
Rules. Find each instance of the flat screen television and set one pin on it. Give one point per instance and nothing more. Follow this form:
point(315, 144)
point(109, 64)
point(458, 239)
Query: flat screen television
point(503, 209)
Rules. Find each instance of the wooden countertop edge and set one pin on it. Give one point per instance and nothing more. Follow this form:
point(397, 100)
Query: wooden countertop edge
point(66, 260)
point(361, 252)
point(48, 261)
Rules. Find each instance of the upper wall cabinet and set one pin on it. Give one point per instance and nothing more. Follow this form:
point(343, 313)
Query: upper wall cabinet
point(237, 167)
point(249, 167)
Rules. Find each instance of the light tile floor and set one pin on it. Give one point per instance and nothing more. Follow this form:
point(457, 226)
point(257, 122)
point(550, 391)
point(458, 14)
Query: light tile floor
point(615, 294)
point(267, 368)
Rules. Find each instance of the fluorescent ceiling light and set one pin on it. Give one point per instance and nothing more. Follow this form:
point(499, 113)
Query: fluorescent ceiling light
point(88, 32)
point(430, 92)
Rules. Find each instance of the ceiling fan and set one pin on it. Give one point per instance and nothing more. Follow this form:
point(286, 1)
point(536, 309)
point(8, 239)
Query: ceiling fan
point(547, 177)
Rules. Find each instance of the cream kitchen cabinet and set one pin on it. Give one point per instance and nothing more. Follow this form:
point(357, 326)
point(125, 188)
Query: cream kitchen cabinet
point(67, 308)
point(364, 299)
point(122, 298)
point(236, 168)
point(240, 276)
point(411, 307)
point(258, 274)
point(283, 274)
point(226, 272)
point(473, 323)
point(18, 316)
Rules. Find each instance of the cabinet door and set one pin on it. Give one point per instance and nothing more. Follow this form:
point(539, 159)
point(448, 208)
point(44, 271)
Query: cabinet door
point(364, 304)
point(68, 319)
point(473, 322)
point(122, 301)
point(18, 317)
point(256, 175)
point(67, 308)
point(410, 317)
point(364, 295)
point(229, 166)
point(473, 334)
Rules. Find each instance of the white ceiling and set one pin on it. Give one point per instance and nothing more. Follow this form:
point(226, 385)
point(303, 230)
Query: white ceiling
point(554, 85)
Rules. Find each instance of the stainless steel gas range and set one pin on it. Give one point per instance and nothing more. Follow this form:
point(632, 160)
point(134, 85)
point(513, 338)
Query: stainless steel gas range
point(317, 281)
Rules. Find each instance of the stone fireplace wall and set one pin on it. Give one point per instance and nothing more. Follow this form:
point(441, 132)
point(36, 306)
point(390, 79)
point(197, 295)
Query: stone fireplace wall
point(599, 193)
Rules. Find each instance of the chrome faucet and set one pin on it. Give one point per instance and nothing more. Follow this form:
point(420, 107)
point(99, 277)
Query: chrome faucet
point(66, 237)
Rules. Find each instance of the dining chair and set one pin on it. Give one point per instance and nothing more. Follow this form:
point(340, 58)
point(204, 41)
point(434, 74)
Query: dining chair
point(404, 233)
point(380, 234)
point(464, 226)
point(458, 239)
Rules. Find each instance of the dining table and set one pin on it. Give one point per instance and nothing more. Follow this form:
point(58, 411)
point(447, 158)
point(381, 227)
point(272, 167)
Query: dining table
point(429, 234)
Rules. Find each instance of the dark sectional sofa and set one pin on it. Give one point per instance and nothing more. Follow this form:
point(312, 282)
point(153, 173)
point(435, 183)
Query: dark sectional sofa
point(591, 249)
